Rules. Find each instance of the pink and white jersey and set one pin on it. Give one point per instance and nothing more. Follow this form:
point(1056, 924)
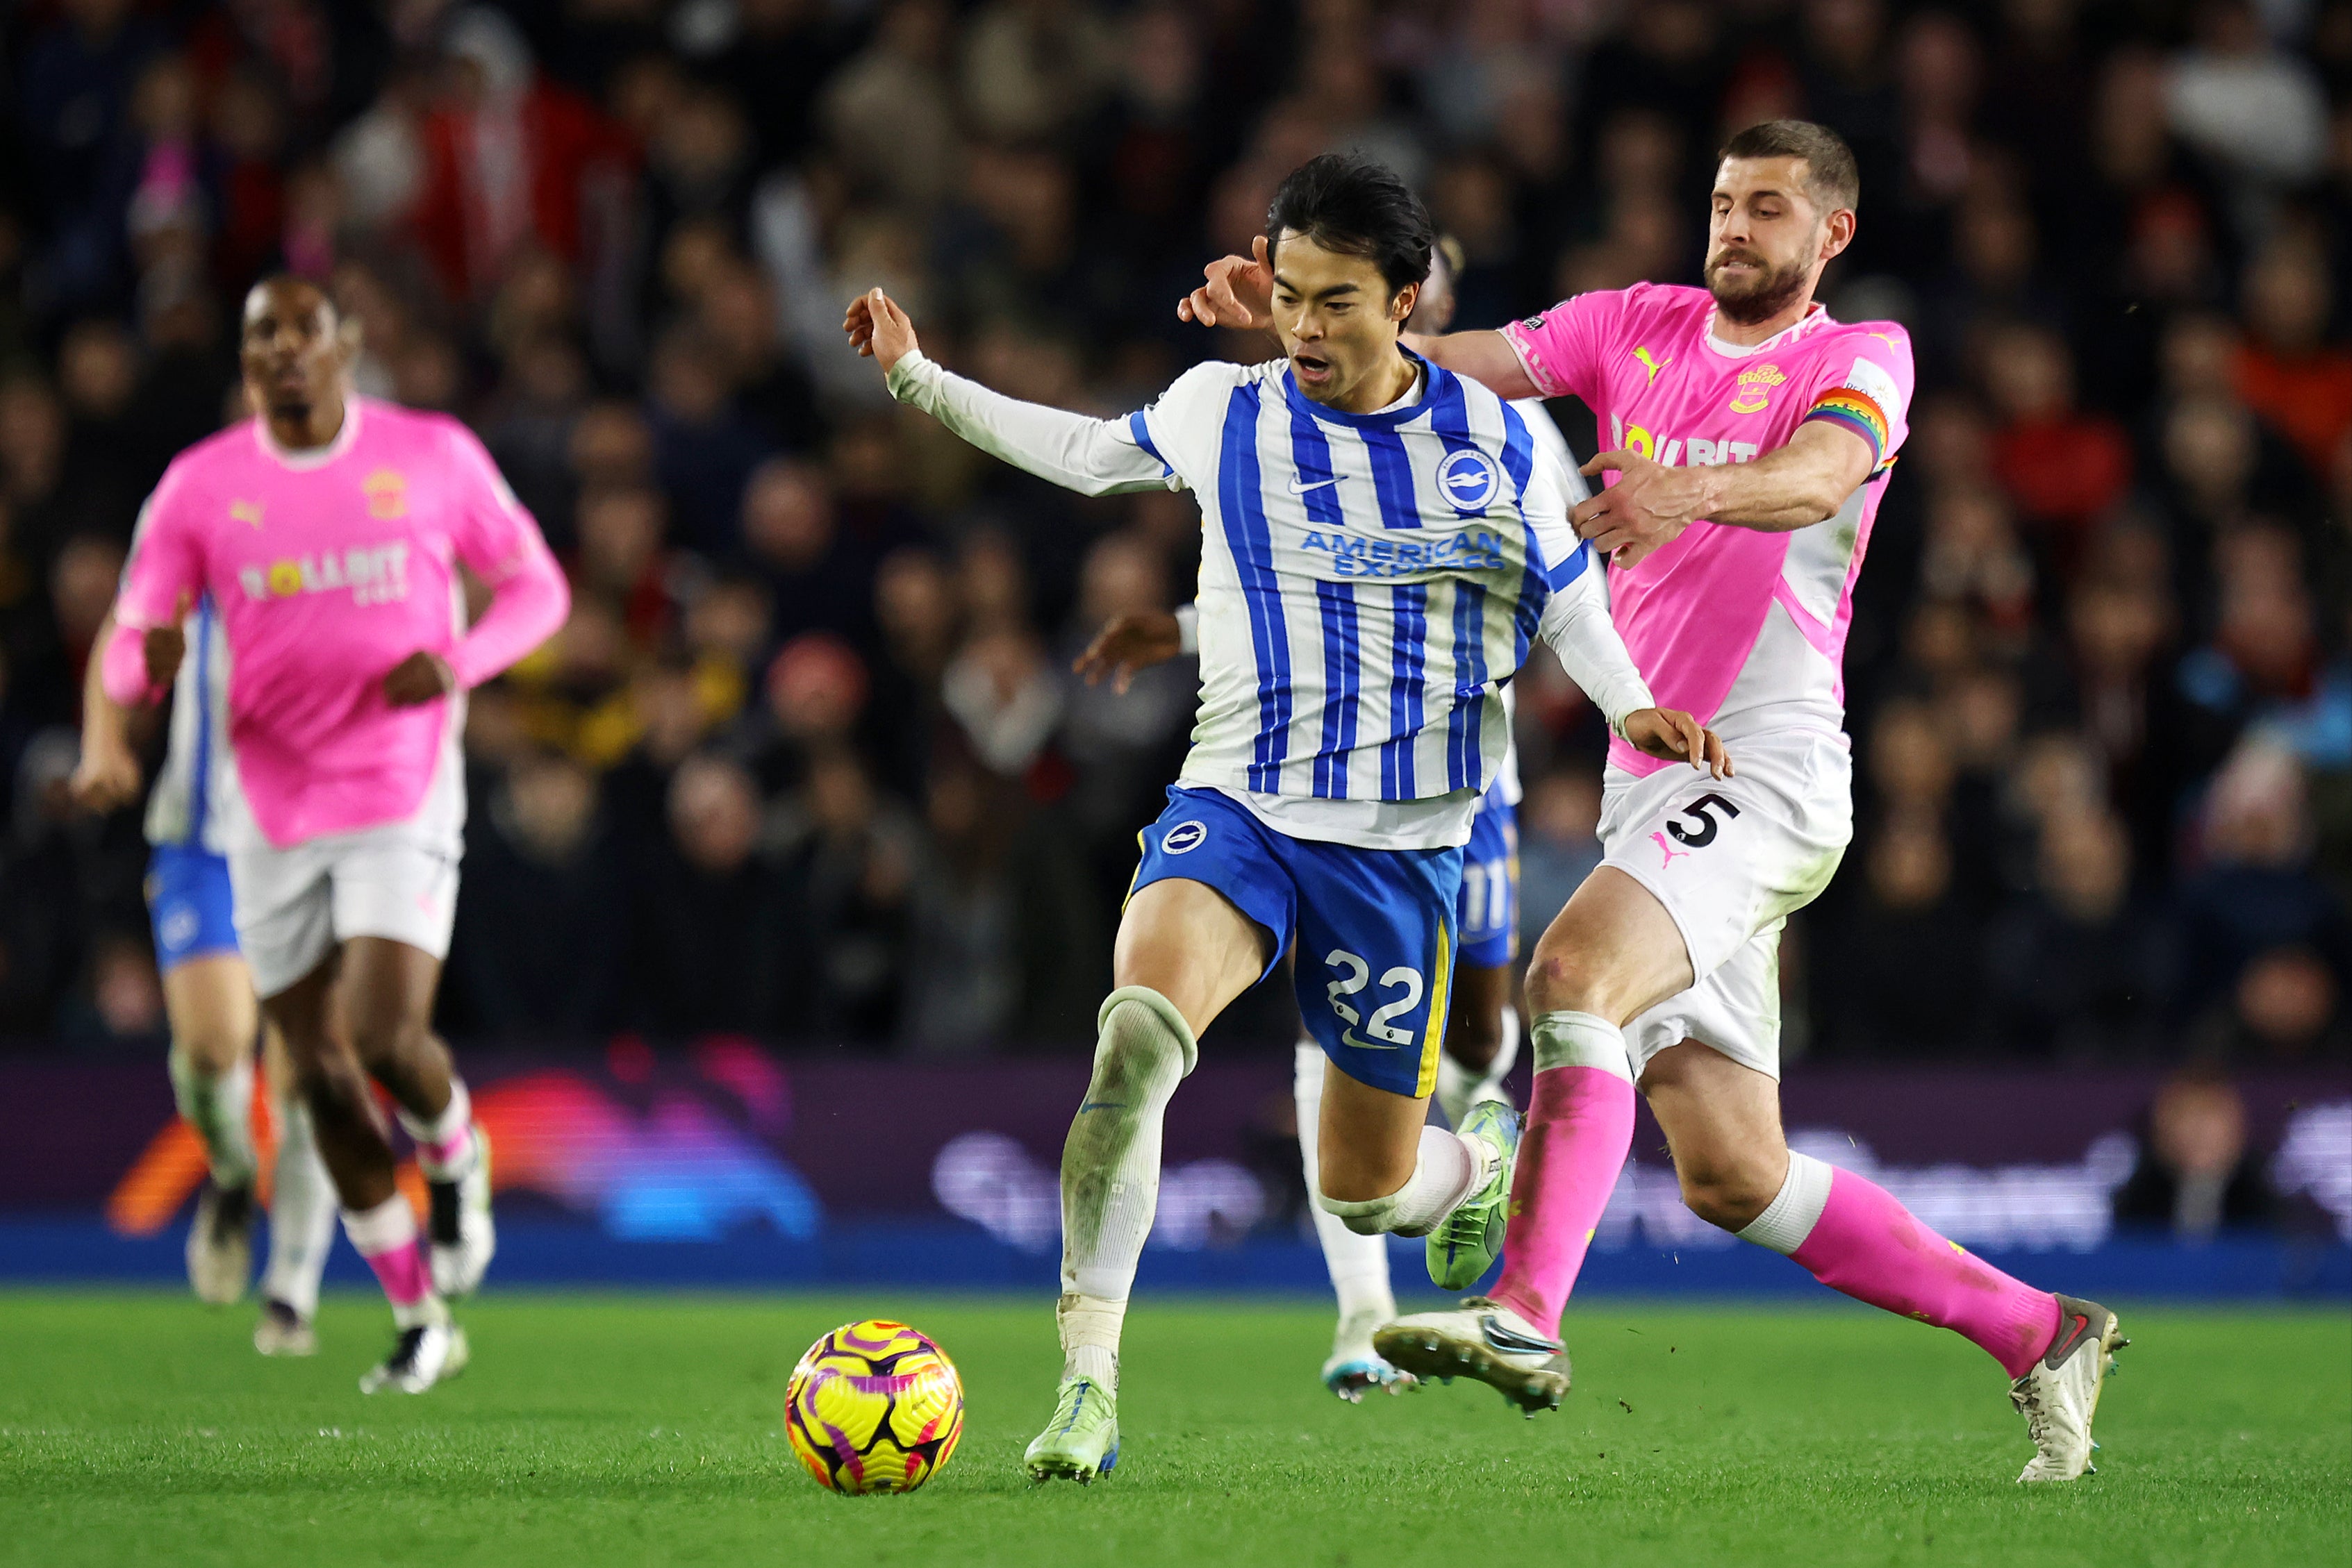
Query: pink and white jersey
point(329, 567)
point(1744, 629)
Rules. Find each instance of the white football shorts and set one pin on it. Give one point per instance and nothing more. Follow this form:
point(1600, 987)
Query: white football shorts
point(398, 880)
point(1731, 859)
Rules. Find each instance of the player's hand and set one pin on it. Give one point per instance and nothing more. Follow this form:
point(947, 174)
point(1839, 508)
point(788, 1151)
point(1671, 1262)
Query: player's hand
point(1648, 505)
point(165, 646)
point(419, 678)
point(107, 778)
point(1239, 291)
point(1676, 736)
point(1130, 642)
point(878, 329)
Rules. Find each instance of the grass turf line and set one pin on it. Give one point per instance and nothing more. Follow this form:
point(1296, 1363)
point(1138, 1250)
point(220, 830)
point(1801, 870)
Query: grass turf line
point(602, 1429)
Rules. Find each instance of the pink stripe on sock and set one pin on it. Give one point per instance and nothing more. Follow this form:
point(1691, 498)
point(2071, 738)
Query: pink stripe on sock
point(1872, 1248)
point(1579, 1127)
point(402, 1273)
point(448, 1151)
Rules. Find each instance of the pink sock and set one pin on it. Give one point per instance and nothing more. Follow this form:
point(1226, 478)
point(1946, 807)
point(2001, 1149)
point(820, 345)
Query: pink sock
point(386, 1236)
point(1872, 1248)
point(1579, 1127)
point(402, 1273)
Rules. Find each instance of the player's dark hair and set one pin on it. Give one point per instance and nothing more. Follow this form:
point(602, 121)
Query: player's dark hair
point(1356, 207)
point(1830, 177)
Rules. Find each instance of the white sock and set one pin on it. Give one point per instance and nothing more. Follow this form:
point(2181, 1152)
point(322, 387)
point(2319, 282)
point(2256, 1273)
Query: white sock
point(1795, 1210)
point(1359, 1264)
point(1458, 1088)
point(302, 1215)
point(1449, 1169)
point(1110, 1172)
point(445, 1145)
point(220, 1108)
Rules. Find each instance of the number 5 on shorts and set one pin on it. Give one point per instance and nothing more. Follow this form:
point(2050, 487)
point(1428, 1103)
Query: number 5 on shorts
point(1699, 837)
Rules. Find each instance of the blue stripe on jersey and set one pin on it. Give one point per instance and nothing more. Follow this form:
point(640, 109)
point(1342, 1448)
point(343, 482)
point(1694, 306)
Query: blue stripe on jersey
point(1391, 479)
point(1142, 432)
point(1449, 419)
point(1241, 503)
point(200, 775)
point(1519, 463)
point(1410, 609)
point(1465, 757)
point(1343, 681)
point(1310, 454)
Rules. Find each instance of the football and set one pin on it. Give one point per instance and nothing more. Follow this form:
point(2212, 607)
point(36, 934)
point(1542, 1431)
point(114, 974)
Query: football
point(874, 1407)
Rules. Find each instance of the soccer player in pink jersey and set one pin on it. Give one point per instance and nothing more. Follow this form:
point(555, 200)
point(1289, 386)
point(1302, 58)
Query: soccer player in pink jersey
point(1752, 436)
point(328, 532)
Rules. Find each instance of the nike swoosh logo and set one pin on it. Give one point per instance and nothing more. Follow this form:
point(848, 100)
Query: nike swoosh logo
point(1298, 489)
point(1503, 1339)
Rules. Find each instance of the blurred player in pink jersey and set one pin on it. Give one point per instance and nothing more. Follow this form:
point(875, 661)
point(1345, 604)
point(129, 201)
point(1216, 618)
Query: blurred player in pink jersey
point(1752, 439)
point(328, 533)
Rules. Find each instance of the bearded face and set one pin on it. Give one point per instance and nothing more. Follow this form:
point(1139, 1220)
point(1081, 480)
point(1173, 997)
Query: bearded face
point(1749, 287)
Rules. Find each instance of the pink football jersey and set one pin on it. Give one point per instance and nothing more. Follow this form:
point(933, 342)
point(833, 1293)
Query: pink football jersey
point(329, 569)
point(1696, 613)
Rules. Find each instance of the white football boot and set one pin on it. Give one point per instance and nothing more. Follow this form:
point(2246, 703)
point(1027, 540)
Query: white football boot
point(1485, 1339)
point(1355, 1368)
point(422, 1356)
point(463, 1239)
point(220, 1245)
point(2060, 1393)
point(282, 1331)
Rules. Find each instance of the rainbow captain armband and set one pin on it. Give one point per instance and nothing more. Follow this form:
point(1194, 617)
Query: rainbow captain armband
point(1857, 411)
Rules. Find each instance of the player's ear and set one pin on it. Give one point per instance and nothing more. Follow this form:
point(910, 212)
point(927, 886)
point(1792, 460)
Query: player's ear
point(1401, 308)
point(1838, 231)
point(348, 338)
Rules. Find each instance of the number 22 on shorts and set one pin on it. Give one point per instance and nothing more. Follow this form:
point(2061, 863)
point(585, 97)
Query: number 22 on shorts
point(1354, 976)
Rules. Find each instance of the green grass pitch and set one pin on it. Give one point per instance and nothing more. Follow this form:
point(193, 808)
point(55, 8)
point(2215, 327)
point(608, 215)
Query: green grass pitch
point(141, 1428)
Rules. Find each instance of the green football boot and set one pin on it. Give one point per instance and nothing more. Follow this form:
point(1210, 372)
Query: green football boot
point(1463, 1248)
point(1081, 1441)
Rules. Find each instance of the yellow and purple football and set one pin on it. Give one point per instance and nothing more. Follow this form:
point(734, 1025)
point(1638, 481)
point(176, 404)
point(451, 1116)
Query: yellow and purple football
point(874, 1407)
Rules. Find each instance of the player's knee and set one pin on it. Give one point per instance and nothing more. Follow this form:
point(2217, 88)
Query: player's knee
point(1728, 1197)
point(381, 1038)
point(1569, 977)
point(210, 1050)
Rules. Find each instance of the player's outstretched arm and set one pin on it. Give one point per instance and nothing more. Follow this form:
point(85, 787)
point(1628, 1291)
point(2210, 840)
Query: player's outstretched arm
point(1092, 456)
point(106, 776)
point(1796, 486)
point(1483, 357)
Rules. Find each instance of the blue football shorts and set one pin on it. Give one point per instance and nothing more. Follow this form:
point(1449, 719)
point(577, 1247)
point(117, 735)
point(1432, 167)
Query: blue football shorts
point(1489, 914)
point(1375, 928)
point(188, 903)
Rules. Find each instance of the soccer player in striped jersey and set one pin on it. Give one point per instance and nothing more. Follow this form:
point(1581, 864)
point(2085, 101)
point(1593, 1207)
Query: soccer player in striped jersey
point(1379, 548)
point(1482, 1035)
point(208, 997)
point(1754, 435)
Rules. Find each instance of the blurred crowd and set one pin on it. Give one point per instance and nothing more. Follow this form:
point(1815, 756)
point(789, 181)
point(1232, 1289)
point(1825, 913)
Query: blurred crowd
point(807, 762)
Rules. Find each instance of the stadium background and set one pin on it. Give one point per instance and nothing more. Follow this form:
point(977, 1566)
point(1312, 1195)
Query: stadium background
point(794, 861)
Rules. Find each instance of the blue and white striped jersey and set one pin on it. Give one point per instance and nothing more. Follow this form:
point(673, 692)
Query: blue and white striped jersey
point(196, 795)
point(1366, 579)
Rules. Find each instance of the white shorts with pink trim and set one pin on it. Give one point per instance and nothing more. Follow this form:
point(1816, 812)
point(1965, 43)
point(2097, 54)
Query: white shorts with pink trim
point(297, 903)
point(1731, 859)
